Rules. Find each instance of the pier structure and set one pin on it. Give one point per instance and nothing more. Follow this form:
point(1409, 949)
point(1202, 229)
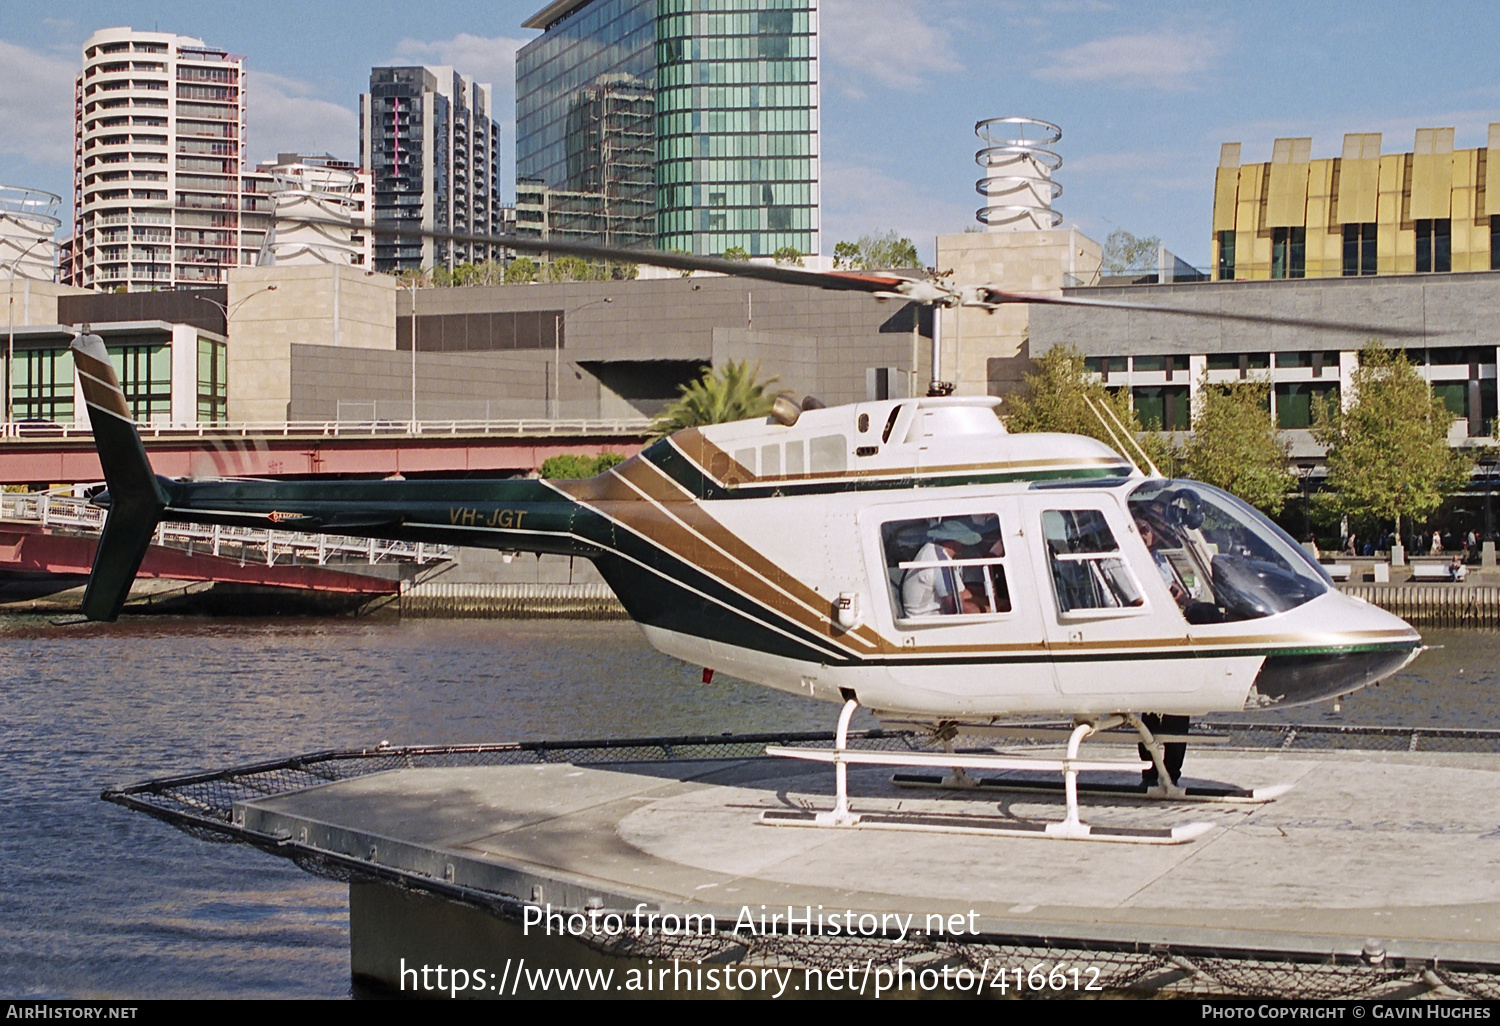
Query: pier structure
point(1372, 877)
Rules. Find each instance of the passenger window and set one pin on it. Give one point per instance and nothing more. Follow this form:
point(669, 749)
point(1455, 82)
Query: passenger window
point(770, 461)
point(1087, 569)
point(946, 566)
point(830, 454)
point(796, 459)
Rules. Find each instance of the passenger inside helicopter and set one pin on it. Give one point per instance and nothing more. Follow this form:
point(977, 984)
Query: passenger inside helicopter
point(946, 566)
point(1230, 561)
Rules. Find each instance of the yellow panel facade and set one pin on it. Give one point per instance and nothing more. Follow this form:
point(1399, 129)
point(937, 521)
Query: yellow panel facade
point(1469, 252)
point(1359, 190)
point(1252, 240)
point(1226, 194)
point(1325, 238)
point(1287, 203)
point(1394, 191)
point(1492, 174)
point(1397, 244)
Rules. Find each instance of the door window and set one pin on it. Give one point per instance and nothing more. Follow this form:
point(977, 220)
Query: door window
point(946, 566)
point(1088, 571)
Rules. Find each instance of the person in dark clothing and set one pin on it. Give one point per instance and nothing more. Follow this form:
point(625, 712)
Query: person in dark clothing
point(1175, 750)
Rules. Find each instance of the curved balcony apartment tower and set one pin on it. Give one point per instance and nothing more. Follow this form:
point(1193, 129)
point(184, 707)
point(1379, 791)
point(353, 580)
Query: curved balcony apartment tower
point(161, 195)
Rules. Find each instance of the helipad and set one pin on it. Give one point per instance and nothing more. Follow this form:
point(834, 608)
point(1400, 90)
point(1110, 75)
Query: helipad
point(1386, 860)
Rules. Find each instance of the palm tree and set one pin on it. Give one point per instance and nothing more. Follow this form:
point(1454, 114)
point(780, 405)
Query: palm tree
point(735, 392)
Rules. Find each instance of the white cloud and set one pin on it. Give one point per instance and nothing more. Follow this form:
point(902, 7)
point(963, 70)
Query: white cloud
point(884, 40)
point(284, 117)
point(1159, 60)
point(861, 200)
point(36, 105)
point(491, 60)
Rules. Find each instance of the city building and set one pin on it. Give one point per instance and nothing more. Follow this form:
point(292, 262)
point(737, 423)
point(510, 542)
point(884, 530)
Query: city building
point(28, 230)
point(1433, 210)
point(162, 197)
point(307, 192)
point(430, 144)
point(168, 348)
point(689, 125)
point(333, 342)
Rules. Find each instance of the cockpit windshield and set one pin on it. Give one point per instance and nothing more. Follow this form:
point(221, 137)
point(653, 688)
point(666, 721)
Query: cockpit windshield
point(1232, 563)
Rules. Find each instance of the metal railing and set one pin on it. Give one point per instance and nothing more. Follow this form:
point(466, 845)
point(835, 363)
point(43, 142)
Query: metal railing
point(248, 545)
point(32, 430)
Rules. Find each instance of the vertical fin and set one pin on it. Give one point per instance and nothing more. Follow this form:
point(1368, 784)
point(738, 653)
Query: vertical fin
point(135, 496)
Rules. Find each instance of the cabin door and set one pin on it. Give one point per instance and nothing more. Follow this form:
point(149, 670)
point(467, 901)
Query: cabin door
point(1112, 625)
point(952, 584)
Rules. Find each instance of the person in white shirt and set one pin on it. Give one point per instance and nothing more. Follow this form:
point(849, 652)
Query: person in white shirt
point(937, 590)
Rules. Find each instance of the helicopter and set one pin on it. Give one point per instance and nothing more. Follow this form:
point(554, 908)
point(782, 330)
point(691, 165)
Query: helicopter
point(908, 556)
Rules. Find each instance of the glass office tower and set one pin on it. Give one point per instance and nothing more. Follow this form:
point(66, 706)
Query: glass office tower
point(688, 124)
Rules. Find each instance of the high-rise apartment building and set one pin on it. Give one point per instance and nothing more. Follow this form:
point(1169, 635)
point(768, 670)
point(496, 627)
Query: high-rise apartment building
point(428, 139)
point(161, 194)
point(688, 124)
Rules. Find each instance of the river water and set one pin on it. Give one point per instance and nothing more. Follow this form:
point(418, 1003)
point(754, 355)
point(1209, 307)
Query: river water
point(97, 901)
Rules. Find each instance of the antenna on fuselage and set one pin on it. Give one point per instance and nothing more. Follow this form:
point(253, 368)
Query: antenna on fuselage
point(1124, 434)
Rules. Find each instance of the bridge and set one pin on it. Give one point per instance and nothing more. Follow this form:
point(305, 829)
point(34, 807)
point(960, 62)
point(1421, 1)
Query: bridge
point(51, 539)
point(33, 453)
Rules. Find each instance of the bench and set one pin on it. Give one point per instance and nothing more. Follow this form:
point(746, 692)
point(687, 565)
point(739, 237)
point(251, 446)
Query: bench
point(1430, 572)
point(1338, 571)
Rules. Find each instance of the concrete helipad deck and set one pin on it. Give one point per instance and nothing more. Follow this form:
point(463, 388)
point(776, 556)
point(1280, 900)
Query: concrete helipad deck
point(1398, 849)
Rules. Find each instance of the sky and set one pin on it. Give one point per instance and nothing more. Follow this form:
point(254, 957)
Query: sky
point(1145, 91)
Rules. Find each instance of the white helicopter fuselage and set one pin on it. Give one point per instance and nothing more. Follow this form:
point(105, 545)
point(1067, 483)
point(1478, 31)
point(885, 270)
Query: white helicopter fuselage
point(826, 502)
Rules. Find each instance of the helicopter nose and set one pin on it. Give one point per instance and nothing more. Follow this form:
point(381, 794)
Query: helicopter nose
point(1369, 646)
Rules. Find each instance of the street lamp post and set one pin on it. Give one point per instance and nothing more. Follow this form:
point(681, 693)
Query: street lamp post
point(557, 354)
point(10, 331)
point(412, 284)
point(227, 310)
point(230, 308)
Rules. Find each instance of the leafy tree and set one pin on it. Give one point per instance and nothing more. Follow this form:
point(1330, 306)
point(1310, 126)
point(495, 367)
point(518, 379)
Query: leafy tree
point(1388, 453)
point(734, 392)
point(789, 256)
point(876, 253)
point(1056, 395)
point(573, 467)
point(736, 253)
point(1126, 252)
point(571, 268)
point(887, 251)
point(1235, 445)
point(521, 270)
point(846, 254)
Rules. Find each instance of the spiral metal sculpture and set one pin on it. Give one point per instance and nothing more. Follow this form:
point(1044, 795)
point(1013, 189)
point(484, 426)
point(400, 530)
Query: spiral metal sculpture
point(1018, 163)
point(27, 217)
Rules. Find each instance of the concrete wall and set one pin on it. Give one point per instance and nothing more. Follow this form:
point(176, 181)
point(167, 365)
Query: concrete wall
point(1448, 309)
point(31, 302)
point(985, 353)
point(327, 306)
point(450, 386)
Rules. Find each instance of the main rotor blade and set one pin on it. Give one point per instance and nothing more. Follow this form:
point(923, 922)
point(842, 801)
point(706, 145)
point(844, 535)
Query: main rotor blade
point(1385, 330)
point(915, 289)
point(839, 281)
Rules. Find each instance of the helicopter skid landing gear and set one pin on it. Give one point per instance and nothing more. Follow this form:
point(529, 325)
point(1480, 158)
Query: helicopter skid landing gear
point(1071, 827)
point(1226, 794)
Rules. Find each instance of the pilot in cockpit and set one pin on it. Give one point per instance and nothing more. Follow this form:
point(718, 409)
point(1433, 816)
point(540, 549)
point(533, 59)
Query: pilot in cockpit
point(1155, 543)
